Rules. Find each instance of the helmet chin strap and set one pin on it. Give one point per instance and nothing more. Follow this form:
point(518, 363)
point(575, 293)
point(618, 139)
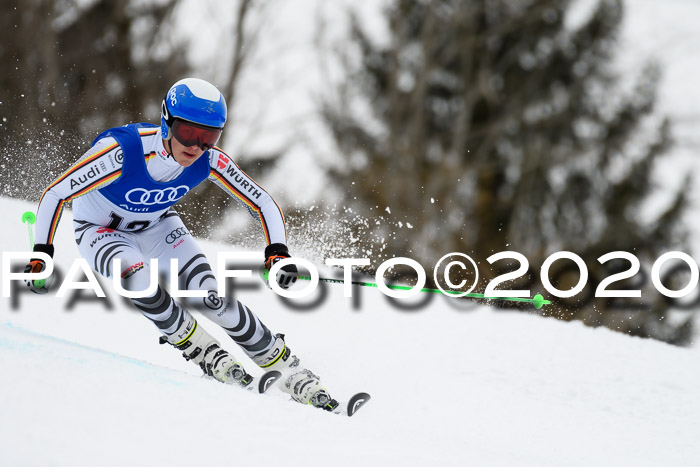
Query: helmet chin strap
point(170, 149)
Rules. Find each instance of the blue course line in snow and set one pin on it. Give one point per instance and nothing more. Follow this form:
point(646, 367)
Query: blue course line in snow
point(130, 360)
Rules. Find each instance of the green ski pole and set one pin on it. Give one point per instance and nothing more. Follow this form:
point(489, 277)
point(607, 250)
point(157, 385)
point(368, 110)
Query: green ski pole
point(29, 218)
point(537, 301)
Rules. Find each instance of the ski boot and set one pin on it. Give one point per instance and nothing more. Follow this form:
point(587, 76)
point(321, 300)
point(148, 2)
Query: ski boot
point(301, 384)
point(305, 388)
point(204, 350)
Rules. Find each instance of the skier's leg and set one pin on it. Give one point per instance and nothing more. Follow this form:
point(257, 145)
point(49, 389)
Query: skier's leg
point(268, 351)
point(195, 273)
point(101, 245)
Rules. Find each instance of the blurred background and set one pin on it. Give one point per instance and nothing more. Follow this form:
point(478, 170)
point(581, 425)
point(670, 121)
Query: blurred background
point(399, 128)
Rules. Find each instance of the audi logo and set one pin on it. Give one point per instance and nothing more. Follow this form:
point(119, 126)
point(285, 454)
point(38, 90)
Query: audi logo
point(175, 234)
point(151, 197)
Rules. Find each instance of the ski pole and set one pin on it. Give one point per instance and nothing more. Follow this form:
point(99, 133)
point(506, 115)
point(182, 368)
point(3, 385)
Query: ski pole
point(29, 218)
point(537, 301)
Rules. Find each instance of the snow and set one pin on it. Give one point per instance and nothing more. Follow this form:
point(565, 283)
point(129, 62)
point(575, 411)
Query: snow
point(452, 383)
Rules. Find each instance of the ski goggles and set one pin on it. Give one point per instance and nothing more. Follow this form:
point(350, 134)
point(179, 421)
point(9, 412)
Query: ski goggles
point(190, 134)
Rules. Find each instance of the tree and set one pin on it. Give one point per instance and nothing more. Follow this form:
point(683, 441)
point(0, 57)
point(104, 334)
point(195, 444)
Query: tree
point(249, 24)
point(492, 125)
point(101, 64)
point(73, 70)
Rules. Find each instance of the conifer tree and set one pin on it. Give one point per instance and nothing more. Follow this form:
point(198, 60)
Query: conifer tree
point(495, 125)
point(72, 70)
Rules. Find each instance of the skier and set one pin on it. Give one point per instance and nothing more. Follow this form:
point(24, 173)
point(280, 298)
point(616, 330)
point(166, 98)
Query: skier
point(123, 190)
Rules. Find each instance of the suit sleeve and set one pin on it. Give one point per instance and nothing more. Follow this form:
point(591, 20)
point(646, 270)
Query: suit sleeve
point(99, 167)
point(230, 178)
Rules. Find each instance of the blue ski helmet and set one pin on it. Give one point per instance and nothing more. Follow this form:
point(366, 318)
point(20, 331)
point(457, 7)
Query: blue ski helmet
point(193, 100)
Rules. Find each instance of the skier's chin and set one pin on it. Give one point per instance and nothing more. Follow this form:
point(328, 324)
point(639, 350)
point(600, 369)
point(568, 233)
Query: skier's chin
point(186, 159)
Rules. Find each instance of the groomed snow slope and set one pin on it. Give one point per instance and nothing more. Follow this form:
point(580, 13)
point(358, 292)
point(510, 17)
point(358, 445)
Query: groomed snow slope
point(87, 386)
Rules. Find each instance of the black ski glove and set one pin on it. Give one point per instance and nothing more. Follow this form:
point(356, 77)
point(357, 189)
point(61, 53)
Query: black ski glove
point(286, 276)
point(40, 286)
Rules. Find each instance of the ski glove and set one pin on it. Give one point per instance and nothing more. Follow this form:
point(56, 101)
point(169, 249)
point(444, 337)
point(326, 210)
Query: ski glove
point(287, 275)
point(40, 286)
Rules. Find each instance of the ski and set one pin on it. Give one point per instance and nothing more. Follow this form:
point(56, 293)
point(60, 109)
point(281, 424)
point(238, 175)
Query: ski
point(267, 380)
point(353, 405)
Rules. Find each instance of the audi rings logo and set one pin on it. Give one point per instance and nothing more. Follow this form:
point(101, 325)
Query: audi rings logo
point(175, 234)
point(150, 197)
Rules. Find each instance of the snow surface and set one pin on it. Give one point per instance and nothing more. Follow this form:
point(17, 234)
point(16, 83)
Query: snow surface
point(452, 384)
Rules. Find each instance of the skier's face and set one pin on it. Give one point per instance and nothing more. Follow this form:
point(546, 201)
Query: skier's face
point(185, 155)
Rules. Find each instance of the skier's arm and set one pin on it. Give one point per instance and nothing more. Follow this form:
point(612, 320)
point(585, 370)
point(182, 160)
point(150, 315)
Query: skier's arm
point(230, 178)
point(99, 167)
